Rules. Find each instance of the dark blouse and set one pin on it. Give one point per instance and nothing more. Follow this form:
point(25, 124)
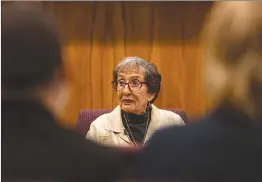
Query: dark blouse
point(137, 125)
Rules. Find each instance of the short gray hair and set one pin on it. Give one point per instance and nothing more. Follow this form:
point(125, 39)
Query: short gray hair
point(152, 76)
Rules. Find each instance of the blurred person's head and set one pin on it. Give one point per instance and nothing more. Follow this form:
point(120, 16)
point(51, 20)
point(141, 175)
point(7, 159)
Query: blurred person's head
point(233, 43)
point(31, 57)
point(137, 83)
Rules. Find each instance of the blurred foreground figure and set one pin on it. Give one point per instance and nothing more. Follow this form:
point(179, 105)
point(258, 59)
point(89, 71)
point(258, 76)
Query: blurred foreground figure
point(33, 93)
point(227, 144)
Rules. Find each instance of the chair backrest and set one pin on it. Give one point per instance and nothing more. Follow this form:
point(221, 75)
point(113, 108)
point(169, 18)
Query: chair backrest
point(87, 116)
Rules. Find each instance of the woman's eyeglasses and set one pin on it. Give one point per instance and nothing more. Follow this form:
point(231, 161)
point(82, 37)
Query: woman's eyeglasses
point(134, 85)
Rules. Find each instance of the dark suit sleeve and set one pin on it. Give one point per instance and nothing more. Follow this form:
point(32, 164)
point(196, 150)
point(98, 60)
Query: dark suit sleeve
point(156, 159)
point(90, 161)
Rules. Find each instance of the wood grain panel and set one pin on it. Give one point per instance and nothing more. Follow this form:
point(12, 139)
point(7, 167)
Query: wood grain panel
point(97, 35)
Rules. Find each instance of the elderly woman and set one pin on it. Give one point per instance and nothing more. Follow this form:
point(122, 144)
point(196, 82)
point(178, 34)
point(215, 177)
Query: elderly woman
point(137, 83)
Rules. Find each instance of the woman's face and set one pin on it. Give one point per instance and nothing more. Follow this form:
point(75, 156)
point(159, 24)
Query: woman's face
point(133, 101)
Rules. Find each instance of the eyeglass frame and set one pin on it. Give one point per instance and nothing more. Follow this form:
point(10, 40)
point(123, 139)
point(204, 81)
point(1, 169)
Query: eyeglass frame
point(127, 83)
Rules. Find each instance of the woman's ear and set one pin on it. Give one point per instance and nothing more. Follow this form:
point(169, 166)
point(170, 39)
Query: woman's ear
point(151, 97)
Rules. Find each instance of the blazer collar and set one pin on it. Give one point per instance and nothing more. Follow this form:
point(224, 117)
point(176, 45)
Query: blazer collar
point(115, 123)
point(155, 122)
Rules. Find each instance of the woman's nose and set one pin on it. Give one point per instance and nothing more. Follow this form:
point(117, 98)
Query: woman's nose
point(126, 89)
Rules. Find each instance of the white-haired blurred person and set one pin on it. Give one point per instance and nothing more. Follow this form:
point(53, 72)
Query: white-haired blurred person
point(227, 144)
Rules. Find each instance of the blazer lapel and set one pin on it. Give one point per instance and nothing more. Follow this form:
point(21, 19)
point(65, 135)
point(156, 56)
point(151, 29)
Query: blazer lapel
point(114, 121)
point(124, 137)
point(115, 124)
point(154, 124)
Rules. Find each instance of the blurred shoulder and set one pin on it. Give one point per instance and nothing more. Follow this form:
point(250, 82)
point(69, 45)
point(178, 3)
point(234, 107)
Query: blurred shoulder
point(197, 130)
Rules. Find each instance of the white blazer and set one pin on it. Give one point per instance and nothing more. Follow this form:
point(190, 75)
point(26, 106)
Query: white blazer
point(108, 129)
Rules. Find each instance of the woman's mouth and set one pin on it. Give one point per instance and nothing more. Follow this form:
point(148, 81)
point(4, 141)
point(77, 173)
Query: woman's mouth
point(127, 101)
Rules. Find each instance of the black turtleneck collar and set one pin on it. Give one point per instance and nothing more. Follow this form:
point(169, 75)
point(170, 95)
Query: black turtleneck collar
point(136, 125)
point(135, 118)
